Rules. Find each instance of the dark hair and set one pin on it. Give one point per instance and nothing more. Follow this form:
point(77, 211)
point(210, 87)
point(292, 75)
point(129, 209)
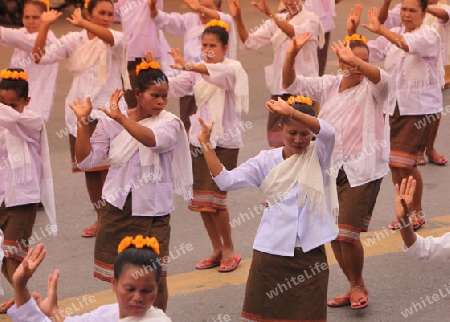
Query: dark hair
point(304, 108)
point(220, 32)
point(423, 4)
point(38, 3)
point(358, 43)
point(19, 86)
point(93, 3)
point(149, 77)
point(145, 258)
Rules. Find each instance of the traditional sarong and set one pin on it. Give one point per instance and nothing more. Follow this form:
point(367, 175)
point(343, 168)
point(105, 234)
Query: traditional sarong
point(103, 165)
point(356, 205)
point(409, 136)
point(17, 225)
point(187, 108)
point(281, 288)
point(115, 224)
point(273, 130)
point(207, 195)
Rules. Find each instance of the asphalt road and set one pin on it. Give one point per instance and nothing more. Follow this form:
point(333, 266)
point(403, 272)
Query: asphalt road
point(396, 282)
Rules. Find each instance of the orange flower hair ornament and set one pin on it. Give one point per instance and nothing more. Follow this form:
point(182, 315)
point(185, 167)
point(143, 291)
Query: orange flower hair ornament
point(47, 3)
point(139, 242)
point(300, 99)
point(146, 65)
point(355, 37)
point(13, 75)
point(86, 3)
point(218, 23)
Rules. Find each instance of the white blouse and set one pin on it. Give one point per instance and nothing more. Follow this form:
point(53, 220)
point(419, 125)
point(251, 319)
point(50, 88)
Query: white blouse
point(347, 118)
point(284, 225)
point(86, 84)
point(224, 77)
point(148, 198)
point(29, 312)
point(306, 62)
point(430, 248)
point(325, 9)
point(412, 99)
point(41, 78)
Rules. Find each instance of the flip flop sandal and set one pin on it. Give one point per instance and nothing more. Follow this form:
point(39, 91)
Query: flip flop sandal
point(395, 225)
point(421, 159)
point(207, 263)
point(359, 303)
point(338, 301)
point(418, 223)
point(224, 263)
point(438, 159)
point(90, 231)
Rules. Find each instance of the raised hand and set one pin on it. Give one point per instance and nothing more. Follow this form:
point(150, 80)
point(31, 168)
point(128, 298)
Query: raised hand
point(50, 17)
point(204, 135)
point(77, 18)
point(49, 305)
point(261, 6)
point(344, 53)
point(374, 24)
point(279, 107)
point(114, 110)
point(235, 8)
point(81, 110)
point(404, 197)
point(29, 265)
point(149, 55)
point(178, 59)
point(354, 18)
point(297, 42)
point(194, 5)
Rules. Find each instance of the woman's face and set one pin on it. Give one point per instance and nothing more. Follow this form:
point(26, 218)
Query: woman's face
point(209, 4)
point(136, 291)
point(9, 97)
point(102, 14)
point(154, 99)
point(293, 6)
point(212, 48)
point(32, 17)
point(296, 138)
point(411, 14)
point(355, 75)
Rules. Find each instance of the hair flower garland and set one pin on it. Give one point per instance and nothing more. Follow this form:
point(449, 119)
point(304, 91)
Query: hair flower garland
point(218, 23)
point(146, 65)
point(47, 3)
point(300, 99)
point(139, 242)
point(86, 3)
point(13, 75)
point(355, 37)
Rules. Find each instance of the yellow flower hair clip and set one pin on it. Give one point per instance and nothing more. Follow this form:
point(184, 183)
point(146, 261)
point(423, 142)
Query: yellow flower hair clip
point(218, 23)
point(300, 99)
point(146, 65)
point(13, 75)
point(86, 3)
point(355, 37)
point(139, 242)
point(46, 2)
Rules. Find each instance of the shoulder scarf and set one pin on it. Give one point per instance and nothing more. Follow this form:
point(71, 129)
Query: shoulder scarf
point(303, 169)
point(280, 37)
point(124, 146)
point(96, 51)
point(359, 96)
point(152, 315)
point(206, 92)
point(415, 69)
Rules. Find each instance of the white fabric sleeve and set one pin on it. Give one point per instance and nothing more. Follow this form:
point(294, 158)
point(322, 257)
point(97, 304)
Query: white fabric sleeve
point(172, 23)
point(223, 76)
point(29, 312)
point(99, 146)
point(261, 36)
point(430, 248)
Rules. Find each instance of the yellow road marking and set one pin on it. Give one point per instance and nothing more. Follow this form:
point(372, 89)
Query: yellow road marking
point(375, 243)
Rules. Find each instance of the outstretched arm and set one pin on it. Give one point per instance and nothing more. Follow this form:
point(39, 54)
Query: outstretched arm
point(439, 13)
point(282, 108)
point(403, 204)
point(235, 11)
point(284, 25)
point(101, 32)
point(195, 6)
point(212, 161)
point(294, 47)
point(384, 11)
point(47, 18)
point(180, 64)
point(354, 19)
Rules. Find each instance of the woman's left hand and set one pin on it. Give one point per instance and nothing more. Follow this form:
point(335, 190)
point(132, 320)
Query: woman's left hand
point(77, 18)
point(194, 5)
point(178, 60)
point(344, 53)
point(279, 107)
point(374, 24)
point(204, 135)
point(114, 110)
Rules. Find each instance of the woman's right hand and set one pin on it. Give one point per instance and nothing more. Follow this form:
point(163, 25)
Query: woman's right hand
point(354, 19)
point(29, 266)
point(49, 305)
point(204, 136)
point(235, 8)
point(81, 110)
point(49, 17)
point(279, 107)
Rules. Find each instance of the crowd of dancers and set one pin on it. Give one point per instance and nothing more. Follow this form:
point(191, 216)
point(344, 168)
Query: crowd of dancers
point(334, 138)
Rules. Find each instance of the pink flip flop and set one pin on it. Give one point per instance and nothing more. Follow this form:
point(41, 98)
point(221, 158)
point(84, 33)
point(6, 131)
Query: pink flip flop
point(207, 263)
point(224, 263)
